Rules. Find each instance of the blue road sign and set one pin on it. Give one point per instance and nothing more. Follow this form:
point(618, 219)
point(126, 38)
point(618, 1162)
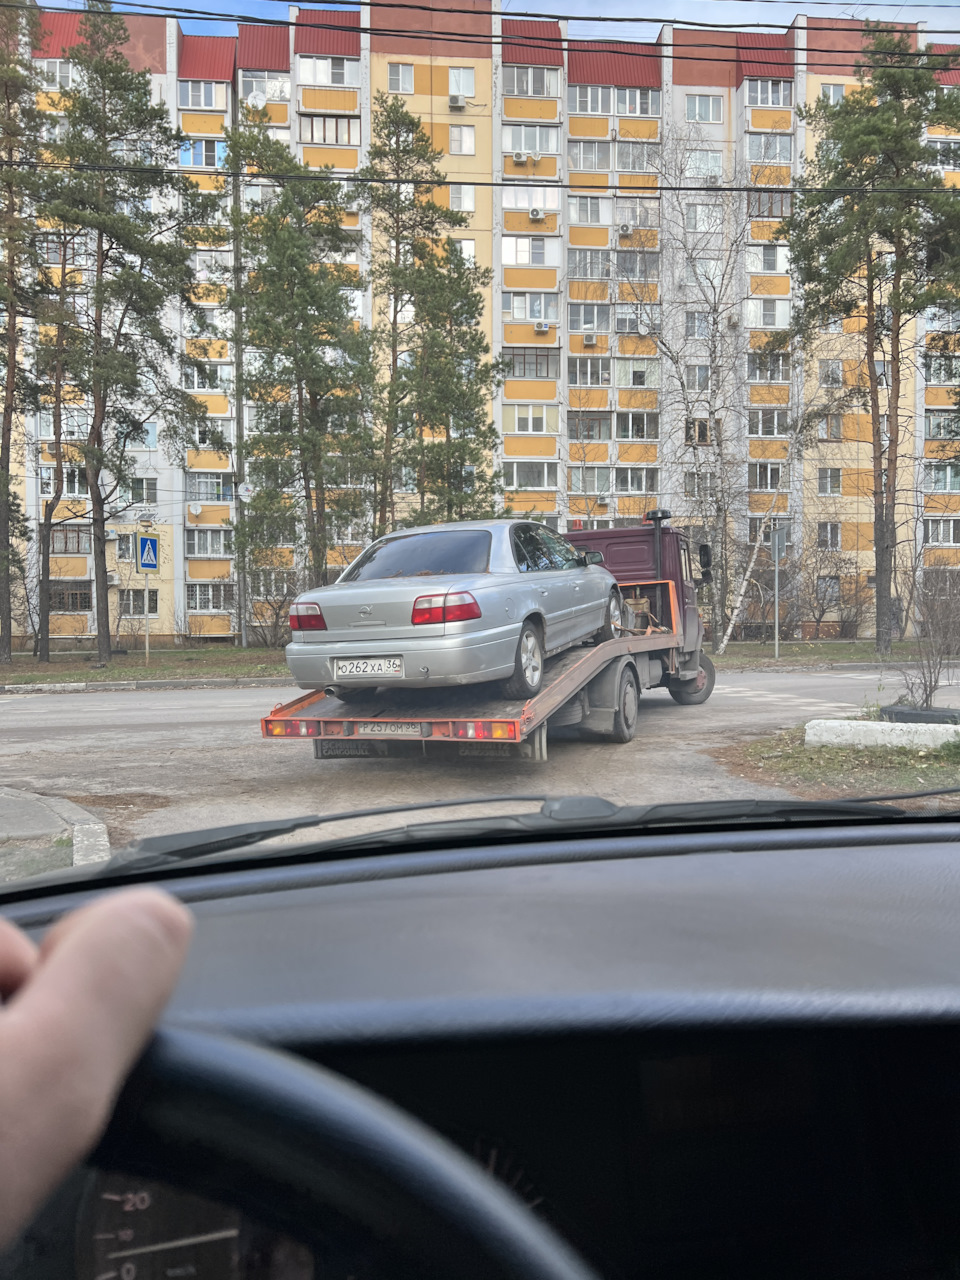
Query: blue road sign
point(148, 560)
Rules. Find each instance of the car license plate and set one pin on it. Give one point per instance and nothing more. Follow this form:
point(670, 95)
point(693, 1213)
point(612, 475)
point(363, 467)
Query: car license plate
point(368, 667)
point(388, 729)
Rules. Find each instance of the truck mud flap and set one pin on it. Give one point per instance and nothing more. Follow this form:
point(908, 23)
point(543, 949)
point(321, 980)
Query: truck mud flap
point(338, 749)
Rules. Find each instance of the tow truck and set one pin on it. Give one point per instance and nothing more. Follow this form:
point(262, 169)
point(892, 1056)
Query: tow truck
point(596, 689)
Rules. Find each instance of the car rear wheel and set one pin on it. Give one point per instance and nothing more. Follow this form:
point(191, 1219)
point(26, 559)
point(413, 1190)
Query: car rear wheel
point(528, 669)
point(612, 619)
point(690, 693)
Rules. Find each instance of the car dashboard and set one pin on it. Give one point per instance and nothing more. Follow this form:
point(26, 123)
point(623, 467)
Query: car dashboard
point(733, 1060)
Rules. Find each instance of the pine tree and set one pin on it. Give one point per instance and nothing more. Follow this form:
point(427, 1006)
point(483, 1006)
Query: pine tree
point(116, 189)
point(875, 235)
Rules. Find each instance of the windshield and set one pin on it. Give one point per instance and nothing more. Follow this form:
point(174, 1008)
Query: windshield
point(318, 499)
point(423, 555)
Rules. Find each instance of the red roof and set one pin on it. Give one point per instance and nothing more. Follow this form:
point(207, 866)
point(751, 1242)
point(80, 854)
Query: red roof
point(623, 63)
point(262, 48)
point(208, 58)
point(952, 75)
point(344, 42)
point(58, 33)
point(763, 53)
point(534, 44)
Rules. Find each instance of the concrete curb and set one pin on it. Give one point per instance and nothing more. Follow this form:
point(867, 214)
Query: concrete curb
point(90, 840)
point(143, 686)
point(41, 821)
point(877, 733)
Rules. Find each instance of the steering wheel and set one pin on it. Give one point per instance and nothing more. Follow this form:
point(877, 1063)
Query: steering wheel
point(295, 1146)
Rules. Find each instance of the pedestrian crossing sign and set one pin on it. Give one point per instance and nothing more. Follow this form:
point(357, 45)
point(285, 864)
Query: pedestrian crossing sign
point(147, 557)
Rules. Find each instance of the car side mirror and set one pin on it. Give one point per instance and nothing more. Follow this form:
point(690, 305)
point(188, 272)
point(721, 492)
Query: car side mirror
point(706, 555)
point(593, 557)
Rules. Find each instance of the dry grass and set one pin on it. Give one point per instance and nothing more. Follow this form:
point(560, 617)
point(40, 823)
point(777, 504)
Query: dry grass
point(166, 664)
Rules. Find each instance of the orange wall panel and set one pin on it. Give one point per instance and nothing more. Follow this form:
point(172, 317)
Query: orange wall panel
point(530, 446)
point(530, 108)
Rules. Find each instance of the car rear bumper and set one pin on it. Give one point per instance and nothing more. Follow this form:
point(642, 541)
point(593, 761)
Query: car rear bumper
point(427, 664)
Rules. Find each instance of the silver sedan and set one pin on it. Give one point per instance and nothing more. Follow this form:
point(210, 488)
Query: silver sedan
point(452, 604)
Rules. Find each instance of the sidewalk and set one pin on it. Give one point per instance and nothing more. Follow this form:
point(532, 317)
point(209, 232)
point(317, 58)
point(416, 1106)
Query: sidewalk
point(119, 686)
point(43, 833)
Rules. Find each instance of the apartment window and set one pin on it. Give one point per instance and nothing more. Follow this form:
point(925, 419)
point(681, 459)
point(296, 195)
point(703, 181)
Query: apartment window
point(638, 102)
point(210, 597)
point(588, 264)
point(206, 377)
point(638, 426)
point(828, 590)
point(531, 137)
point(945, 318)
point(130, 602)
point(700, 484)
point(703, 217)
point(768, 259)
point(594, 480)
point(203, 94)
point(139, 489)
point(531, 82)
point(637, 157)
point(703, 270)
point(56, 73)
point(830, 373)
point(831, 324)
point(637, 479)
point(463, 140)
point(531, 419)
point(533, 362)
point(830, 427)
point(467, 249)
point(125, 548)
point(588, 371)
point(461, 81)
point(530, 475)
point(704, 109)
point(637, 211)
point(275, 85)
point(833, 93)
point(944, 370)
point(941, 426)
point(74, 423)
point(638, 264)
point(74, 482)
point(530, 251)
point(699, 431)
point(769, 148)
point(588, 426)
point(276, 584)
point(209, 542)
point(768, 313)
point(519, 196)
point(71, 597)
point(400, 77)
point(760, 528)
point(329, 71)
point(768, 422)
point(767, 476)
point(828, 481)
point(881, 369)
point(946, 153)
point(588, 155)
point(589, 317)
point(697, 324)
point(700, 377)
point(149, 437)
point(764, 366)
point(532, 306)
point(638, 373)
point(463, 197)
point(334, 131)
point(942, 533)
point(209, 486)
point(71, 539)
point(633, 318)
point(768, 204)
point(589, 209)
point(208, 432)
point(770, 93)
point(828, 535)
point(589, 100)
point(208, 154)
point(703, 164)
point(943, 477)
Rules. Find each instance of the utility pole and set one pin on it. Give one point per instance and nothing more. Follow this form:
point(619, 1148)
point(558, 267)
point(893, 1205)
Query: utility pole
point(778, 545)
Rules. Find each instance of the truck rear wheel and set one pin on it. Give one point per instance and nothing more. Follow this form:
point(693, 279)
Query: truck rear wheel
point(528, 670)
point(628, 707)
point(690, 693)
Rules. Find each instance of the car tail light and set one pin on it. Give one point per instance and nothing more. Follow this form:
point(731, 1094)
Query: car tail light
point(306, 617)
point(455, 606)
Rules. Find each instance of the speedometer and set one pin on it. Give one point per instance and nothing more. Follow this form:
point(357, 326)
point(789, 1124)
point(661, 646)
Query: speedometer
point(133, 1229)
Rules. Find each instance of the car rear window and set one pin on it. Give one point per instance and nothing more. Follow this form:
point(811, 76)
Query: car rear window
point(424, 555)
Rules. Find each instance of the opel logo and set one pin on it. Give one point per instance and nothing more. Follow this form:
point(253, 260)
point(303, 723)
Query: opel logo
point(366, 611)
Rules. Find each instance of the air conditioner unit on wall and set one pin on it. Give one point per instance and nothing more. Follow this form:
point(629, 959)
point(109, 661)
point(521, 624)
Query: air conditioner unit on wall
point(113, 579)
point(458, 102)
point(733, 322)
point(535, 157)
point(541, 326)
point(625, 229)
point(589, 339)
point(520, 157)
point(537, 215)
point(712, 180)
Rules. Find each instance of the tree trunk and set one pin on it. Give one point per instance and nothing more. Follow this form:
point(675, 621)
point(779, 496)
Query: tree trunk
point(882, 542)
point(6, 445)
point(101, 590)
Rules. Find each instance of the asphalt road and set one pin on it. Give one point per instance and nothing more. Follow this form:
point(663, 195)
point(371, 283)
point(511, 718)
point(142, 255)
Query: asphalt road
point(181, 760)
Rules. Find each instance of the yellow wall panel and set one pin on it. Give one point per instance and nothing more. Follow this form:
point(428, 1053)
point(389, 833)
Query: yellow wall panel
point(769, 393)
point(594, 236)
point(334, 157)
point(951, 179)
point(207, 181)
point(759, 339)
point(529, 278)
point(68, 566)
point(207, 349)
point(531, 500)
point(439, 132)
point(770, 175)
point(529, 389)
point(208, 570)
point(595, 180)
point(856, 483)
point(941, 556)
point(207, 460)
point(600, 348)
point(586, 290)
point(209, 514)
point(529, 446)
point(637, 453)
point(329, 100)
point(638, 292)
point(638, 128)
point(936, 504)
point(857, 426)
point(856, 536)
point(588, 127)
point(639, 180)
point(781, 121)
point(75, 510)
point(518, 220)
point(636, 506)
point(525, 333)
point(940, 449)
point(216, 404)
point(421, 79)
point(68, 624)
point(764, 230)
point(206, 624)
point(767, 502)
point(636, 398)
point(208, 295)
point(582, 452)
point(546, 167)
point(530, 108)
point(278, 112)
point(195, 122)
point(588, 506)
point(633, 345)
point(588, 398)
point(779, 285)
point(940, 397)
point(760, 448)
